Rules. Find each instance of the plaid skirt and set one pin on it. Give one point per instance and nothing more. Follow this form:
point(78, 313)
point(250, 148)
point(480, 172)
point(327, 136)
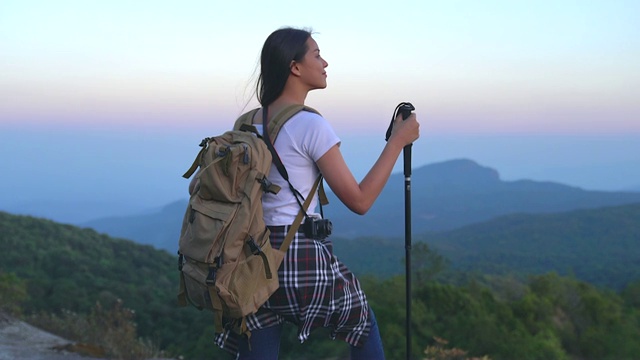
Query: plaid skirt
point(316, 290)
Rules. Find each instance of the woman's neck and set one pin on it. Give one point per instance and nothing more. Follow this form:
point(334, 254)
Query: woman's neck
point(291, 95)
point(282, 102)
point(294, 92)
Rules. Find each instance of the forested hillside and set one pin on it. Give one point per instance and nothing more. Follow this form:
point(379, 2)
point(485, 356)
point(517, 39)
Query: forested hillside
point(69, 268)
point(599, 246)
point(542, 317)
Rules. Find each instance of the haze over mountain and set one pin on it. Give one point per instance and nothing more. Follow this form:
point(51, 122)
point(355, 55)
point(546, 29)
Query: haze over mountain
point(137, 173)
point(445, 196)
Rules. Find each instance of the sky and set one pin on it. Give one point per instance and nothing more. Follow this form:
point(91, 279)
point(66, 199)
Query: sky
point(107, 100)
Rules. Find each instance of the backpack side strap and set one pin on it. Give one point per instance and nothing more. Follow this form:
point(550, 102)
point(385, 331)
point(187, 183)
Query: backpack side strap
point(204, 144)
point(296, 223)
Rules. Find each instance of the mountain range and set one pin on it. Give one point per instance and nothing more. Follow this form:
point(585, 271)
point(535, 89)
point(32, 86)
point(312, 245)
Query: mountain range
point(445, 196)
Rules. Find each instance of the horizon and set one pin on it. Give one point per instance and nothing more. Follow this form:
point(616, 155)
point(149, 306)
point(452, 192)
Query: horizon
point(78, 178)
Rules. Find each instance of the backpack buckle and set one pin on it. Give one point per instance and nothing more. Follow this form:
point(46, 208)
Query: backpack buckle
point(180, 261)
point(211, 277)
point(268, 186)
point(255, 248)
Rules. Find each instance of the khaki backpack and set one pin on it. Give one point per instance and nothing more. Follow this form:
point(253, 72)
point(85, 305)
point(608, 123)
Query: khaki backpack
point(226, 261)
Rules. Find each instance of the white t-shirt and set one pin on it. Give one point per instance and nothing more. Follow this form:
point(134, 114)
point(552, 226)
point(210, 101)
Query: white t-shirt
point(304, 139)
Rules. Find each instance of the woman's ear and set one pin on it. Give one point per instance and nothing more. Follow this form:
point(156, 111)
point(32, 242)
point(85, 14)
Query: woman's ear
point(295, 70)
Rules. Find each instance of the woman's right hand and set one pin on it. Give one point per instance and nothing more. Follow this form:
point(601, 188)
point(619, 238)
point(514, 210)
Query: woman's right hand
point(405, 131)
point(359, 197)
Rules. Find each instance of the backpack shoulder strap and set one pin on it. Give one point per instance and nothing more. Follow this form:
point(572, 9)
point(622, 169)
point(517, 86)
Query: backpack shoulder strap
point(283, 116)
point(274, 125)
point(245, 119)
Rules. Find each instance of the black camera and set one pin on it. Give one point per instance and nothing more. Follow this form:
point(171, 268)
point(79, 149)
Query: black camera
point(317, 229)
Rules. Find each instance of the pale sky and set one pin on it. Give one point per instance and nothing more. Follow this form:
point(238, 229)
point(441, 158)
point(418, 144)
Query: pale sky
point(468, 66)
point(108, 99)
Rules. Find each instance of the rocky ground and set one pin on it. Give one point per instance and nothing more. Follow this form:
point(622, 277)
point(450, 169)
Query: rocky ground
point(19, 340)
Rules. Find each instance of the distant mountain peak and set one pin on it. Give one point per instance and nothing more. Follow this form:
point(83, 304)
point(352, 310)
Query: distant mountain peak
point(459, 171)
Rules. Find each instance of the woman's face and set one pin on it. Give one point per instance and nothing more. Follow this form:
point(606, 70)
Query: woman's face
point(311, 68)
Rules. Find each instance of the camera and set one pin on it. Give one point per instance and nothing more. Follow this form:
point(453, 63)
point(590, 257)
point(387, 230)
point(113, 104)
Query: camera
point(317, 229)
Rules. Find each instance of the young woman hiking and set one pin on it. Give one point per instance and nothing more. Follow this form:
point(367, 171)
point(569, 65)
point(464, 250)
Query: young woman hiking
point(316, 289)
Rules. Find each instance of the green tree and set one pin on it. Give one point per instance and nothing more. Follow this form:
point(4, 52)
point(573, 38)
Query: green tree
point(13, 292)
point(426, 263)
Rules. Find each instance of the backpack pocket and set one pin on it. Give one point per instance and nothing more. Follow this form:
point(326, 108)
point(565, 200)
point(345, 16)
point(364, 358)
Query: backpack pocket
point(245, 285)
point(194, 277)
point(204, 224)
point(222, 178)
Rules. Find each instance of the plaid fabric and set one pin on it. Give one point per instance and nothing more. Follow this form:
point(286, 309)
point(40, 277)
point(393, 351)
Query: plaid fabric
point(316, 290)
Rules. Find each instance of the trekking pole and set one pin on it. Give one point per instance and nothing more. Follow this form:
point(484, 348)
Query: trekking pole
point(405, 110)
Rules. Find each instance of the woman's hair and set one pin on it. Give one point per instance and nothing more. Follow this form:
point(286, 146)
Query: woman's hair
point(280, 48)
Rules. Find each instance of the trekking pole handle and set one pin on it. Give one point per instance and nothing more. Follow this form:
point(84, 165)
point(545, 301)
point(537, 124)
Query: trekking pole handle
point(405, 110)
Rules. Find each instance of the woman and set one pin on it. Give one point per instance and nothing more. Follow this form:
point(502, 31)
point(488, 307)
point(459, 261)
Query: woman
point(316, 289)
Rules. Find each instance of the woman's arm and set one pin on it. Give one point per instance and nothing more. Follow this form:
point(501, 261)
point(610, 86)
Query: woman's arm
point(360, 197)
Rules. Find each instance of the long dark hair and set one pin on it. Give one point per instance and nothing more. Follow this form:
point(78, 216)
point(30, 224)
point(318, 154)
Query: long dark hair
point(281, 47)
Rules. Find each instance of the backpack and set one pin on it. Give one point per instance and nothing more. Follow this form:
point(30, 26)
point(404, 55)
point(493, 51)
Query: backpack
point(225, 258)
